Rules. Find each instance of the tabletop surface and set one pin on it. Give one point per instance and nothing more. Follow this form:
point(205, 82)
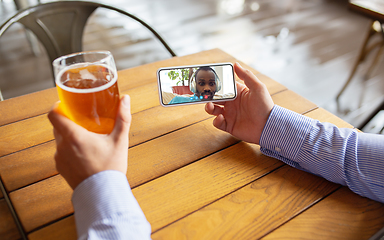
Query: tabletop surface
point(191, 180)
point(371, 8)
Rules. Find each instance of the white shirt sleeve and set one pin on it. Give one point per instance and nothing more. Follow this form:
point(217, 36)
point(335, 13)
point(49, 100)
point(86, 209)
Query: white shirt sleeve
point(340, 155)
point(105, 208)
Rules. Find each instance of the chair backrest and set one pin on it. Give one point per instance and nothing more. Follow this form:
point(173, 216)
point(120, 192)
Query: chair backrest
point(60, 25)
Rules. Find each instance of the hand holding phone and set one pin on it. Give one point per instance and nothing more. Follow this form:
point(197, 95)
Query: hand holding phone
point(196, 84)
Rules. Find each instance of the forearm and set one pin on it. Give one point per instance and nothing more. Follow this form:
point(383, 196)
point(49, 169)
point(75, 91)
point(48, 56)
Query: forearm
point(340, 155)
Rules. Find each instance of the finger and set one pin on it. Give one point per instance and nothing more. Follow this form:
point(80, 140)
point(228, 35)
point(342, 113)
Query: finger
point(220, 123)
point(213, 109)
point(123, 120)
point(58, 137)
point(250, 80)
point(63, 125)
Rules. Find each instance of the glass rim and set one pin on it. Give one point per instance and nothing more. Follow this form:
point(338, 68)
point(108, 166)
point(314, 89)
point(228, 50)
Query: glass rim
point(60, 68)
point(56, 62)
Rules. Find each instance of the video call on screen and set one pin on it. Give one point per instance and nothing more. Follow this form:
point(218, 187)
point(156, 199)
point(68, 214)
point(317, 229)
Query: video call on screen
point(196, 83)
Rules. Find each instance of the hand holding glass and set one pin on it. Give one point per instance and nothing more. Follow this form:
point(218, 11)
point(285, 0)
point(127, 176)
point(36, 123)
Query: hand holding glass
point(87, 87)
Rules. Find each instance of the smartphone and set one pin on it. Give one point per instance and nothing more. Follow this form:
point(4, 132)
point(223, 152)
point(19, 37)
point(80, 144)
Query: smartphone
point(193, 84)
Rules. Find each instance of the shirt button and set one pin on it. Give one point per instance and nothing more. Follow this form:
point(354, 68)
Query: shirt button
point(277, 149)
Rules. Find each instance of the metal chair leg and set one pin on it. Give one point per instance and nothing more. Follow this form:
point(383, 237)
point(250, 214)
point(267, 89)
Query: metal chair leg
point(361, 58)
point(375, 62)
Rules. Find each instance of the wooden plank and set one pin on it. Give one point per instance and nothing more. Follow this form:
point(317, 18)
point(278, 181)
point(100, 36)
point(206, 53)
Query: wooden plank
point(63, 229)
point(143, 97)
point(373, 9)
point(254, 210)
point(25, 134)
point(33, 209)
point(8, 228)
point(175, 150)
point(26, 167)
point(30, 105)
point(342, 215)
point(293, 101)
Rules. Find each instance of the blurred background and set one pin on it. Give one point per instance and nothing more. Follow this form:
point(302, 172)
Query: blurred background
point(310, 46)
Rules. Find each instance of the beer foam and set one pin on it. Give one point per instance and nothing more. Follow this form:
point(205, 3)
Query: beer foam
point(87, 75)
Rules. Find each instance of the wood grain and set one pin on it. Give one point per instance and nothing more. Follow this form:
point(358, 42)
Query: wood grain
point(160, 156)
point(342, 215)
point(24, 134)
point(253, 210)
point(224, 171)
point(147, 128)
point(63, 229)
point(141, 157)
point(37, 130)
point(30, 105)
point(192, 187)
point(293, 101)
point(146, 161)
point(163, 154)
point(373, 9)
point(26, 167)
point(220, 174)
point(8, 229)
point(144, 128)
point(32, 206)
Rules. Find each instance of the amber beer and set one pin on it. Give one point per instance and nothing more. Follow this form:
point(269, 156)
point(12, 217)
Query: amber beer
point(89, 95)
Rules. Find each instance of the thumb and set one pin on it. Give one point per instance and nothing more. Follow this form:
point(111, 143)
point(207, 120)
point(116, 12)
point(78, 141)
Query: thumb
point(250, 80)
point(123, 120)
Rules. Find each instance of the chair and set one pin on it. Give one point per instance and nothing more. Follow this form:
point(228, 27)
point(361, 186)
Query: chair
point(374, 10)
point(60, 25)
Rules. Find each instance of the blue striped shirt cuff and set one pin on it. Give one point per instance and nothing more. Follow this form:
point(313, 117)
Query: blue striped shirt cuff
point(105, 208)
point(284, 135)
point(340, 155)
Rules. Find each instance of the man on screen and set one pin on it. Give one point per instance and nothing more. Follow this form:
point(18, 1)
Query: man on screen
point(204, 84)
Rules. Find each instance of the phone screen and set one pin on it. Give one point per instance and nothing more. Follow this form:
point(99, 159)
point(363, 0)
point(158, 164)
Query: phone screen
point(196, 84)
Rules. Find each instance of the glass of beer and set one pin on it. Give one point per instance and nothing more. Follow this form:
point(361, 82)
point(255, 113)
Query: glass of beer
point(87, 87)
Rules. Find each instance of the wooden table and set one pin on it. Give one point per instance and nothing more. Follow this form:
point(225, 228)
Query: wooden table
point(373, 9)
point(191, 180)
